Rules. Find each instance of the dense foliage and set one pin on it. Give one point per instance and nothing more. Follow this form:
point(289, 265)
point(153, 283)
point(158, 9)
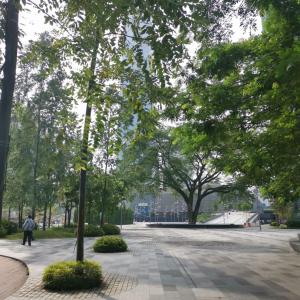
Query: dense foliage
point(293, 224)
point(71, 275)
point(9, 226)
point(3, 232)
point(248, 92)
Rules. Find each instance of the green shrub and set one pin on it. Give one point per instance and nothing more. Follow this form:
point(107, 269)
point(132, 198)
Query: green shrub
point(72, 225)
point(274, 223)
point(110, 244)
point(72, 275)
point(283, 226)
point(65, 229)
point(9, 226)
point(93, 230)
point(293, 223)
point(203, 217)
point(3, 232)
point(110, 229)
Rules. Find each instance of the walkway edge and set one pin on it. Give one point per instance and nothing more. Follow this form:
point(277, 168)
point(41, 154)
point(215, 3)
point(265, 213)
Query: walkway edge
point(18, 260)
point(295, 244)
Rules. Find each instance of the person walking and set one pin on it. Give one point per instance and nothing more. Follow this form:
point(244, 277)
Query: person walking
point(28, 226)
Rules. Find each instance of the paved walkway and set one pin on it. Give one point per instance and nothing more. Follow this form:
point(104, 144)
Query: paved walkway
point(177, 264)
point(13, 275)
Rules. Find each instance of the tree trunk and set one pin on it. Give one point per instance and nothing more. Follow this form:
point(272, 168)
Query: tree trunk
point(19, 217)
point(8, 86)
point(9, 213)
point(89, 212)
point(50, 216)
point(102, 214)
point(45, 216)
point(69, 216)
point(36, 160)
point(198, 204)
point(65, 221)
point(84, 156)
point(190, 213)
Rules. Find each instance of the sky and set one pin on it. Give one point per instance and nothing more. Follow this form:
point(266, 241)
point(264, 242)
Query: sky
point(32, 24)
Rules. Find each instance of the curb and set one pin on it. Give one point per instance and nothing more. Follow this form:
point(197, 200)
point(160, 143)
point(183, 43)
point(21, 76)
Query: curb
point(295, 244)
point(196, 226)
point(18, 260)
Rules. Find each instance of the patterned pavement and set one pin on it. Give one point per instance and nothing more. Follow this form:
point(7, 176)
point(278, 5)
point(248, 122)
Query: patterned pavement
point(13, 275)
point(178, 264)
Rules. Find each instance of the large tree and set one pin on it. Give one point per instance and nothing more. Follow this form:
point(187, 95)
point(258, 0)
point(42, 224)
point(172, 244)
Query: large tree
point(250, 91)
point(99, 34)
point(176, 159)
point(11, 15)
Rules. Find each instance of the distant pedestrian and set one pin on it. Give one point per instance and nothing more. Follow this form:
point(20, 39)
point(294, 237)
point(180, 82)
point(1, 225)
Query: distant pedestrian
point(28, 227)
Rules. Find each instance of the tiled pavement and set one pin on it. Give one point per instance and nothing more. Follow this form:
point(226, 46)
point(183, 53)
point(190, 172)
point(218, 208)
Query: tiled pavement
point(13, 275)
point(179, 264)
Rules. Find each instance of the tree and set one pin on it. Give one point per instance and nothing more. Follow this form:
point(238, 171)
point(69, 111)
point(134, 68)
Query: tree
point(104, 28)
point(8, 84)
point(174, 159)
point(44, 116)
point(18, 192)
point(238, 199)
point(250, 91)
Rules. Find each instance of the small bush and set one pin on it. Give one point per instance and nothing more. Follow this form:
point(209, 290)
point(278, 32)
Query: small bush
point(3, 232)
point(283, 226)
point(72, 275)
point(93, 230)
point(110, 244)
point(274, 223)
point(110, 229)
point(293, 223)
point(9, 226)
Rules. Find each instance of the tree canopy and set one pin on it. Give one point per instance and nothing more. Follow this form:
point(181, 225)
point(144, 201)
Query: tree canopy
point(155, 115)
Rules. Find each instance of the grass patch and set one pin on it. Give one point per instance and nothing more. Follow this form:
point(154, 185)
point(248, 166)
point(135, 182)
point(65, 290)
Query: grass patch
point(53, 233)
point(204, 217)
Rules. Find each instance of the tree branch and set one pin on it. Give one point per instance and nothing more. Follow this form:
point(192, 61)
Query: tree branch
point(210, 177)
point(51, 17)
point(219, 189)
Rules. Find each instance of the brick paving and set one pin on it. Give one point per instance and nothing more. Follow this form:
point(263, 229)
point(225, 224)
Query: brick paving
point(178, 264)
point(13, 275)
point(113, 284)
